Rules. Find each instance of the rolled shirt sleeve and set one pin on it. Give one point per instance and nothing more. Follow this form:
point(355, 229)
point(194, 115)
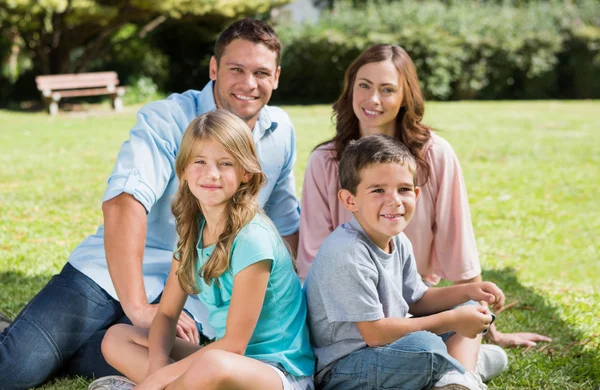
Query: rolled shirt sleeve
point(146, 162)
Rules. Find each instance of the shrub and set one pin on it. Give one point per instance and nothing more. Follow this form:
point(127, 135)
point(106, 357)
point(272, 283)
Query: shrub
point(462, 50)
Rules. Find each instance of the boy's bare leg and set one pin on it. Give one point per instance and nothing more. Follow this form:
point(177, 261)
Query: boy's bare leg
point(465, 350)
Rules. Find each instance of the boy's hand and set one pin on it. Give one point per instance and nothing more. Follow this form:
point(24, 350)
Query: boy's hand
point(471, 320)
point(487, 292)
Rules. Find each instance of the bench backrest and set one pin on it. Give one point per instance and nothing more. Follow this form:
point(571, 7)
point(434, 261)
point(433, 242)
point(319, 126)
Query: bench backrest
point(75, 81)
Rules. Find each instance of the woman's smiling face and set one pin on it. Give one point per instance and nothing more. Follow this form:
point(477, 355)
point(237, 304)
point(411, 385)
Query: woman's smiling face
point(377, 98)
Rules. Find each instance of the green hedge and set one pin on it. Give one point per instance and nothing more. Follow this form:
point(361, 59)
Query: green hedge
point(462, 50)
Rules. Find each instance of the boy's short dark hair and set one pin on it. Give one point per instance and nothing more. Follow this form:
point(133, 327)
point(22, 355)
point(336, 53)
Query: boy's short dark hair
point(370, 150)
point(251, 30)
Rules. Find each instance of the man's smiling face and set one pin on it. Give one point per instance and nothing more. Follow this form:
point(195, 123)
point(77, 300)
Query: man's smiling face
point(245, 78)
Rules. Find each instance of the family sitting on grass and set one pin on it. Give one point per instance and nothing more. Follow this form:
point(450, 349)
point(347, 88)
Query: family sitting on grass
point(191, 282)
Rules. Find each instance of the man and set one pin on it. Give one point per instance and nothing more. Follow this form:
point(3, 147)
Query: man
point(118, 273)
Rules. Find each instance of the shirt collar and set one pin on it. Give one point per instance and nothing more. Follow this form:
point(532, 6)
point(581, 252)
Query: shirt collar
point(206, 102)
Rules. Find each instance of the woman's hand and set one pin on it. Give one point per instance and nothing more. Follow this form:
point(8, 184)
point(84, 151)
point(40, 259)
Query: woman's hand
point(519, 339)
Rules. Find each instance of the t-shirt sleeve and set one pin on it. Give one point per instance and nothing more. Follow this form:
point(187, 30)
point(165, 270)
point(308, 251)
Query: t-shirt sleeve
point(413, 287)
point(350, 293)
point(146, 162)
point(315, 220)
point(282, 206)
point(253, 244)
point(454, 241)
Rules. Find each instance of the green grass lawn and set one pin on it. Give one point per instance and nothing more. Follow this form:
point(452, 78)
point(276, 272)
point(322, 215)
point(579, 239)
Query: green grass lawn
point(532, 171)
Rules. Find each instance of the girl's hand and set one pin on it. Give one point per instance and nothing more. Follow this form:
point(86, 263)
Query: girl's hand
point(487, 292)
point(471, 320)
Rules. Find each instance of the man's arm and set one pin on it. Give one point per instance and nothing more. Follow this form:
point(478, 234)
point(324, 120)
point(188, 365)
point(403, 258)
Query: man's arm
point(292, 241)
point(124, 239)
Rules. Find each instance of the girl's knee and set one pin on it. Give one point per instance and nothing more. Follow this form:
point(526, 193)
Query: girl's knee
point(114, 339)
point(214, 370)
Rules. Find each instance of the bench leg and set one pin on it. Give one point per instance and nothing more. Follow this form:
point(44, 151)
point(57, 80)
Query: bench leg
point(117, 103)
point(53, 108)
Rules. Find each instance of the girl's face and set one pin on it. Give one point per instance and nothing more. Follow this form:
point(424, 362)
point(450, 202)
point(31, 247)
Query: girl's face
point(213, 176)
point(377, 98)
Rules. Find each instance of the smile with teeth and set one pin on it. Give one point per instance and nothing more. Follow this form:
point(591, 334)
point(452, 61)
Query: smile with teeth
point(244, 97)
point(372, 112)
point(392, 216)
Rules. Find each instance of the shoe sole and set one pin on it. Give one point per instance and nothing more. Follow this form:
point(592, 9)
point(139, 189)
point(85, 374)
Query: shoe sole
point(452, 386)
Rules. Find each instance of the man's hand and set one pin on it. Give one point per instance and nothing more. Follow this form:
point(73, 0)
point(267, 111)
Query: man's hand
point(487, 292)
point(520, 339)
point(471, 320)
point(186, 326)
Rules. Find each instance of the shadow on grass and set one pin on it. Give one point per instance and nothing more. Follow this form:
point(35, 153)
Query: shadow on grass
point(570, 361)
point(18, 289)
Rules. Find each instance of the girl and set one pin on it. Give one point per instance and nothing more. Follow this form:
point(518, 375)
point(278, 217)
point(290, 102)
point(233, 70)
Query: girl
point(231, 255)
point(381, 95)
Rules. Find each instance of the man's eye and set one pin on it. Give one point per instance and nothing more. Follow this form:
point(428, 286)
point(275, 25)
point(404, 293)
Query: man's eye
point(405, 189)
point(378, 190)
point(236, 69)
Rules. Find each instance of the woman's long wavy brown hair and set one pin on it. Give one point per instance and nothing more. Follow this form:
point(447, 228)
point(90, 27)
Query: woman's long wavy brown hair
point(409, 129)
point(235, 138)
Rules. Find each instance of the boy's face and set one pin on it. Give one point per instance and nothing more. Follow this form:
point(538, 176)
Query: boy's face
point(245, 78)
point(384, 202)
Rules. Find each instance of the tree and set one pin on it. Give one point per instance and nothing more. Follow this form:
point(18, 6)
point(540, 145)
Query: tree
point(63, 36)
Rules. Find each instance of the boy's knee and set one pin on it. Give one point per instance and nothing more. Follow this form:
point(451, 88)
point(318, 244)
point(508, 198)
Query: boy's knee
point(424, 341)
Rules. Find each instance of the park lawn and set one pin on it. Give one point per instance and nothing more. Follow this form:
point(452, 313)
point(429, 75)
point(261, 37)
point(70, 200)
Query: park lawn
point(532, 171)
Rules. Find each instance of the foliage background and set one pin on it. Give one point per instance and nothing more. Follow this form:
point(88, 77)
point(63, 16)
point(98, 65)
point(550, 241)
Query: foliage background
point(472, 49)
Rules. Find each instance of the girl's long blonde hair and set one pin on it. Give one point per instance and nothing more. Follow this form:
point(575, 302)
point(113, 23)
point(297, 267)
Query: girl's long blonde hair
point(235, 138)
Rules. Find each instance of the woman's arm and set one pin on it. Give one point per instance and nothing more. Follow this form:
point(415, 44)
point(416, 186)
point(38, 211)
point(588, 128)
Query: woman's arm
point(315, 217)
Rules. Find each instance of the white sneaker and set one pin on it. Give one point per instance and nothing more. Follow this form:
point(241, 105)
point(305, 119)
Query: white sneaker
point(491, 362)
point(113, 382)
point(454, 380)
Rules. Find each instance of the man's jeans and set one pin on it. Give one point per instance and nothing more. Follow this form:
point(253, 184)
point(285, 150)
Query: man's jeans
point(414, 361)
point(61, 328)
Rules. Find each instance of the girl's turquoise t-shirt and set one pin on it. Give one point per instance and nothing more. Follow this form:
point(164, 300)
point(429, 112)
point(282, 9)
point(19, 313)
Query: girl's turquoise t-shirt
point(281, 334)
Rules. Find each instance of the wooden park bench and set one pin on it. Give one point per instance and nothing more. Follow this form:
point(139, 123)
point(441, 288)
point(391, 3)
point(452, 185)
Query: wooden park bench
point(56, 87)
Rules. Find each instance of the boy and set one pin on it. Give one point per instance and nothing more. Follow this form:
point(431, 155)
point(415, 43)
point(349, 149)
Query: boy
point(364, 282)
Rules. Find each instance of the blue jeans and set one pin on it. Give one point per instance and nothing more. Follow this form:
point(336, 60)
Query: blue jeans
point(413, 362)
point(60, 331)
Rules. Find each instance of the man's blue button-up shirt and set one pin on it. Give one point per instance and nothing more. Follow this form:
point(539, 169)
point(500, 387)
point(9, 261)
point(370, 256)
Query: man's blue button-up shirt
point(145, 168)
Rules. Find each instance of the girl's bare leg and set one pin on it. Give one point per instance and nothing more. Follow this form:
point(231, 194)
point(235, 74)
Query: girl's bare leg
point(125, 347)
point(218, 369)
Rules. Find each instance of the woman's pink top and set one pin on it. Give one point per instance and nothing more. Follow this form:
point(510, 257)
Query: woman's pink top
point(440, 231)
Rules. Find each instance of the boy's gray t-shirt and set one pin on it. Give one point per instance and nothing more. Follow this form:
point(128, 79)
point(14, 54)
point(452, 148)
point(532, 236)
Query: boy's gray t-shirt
point(353, 280)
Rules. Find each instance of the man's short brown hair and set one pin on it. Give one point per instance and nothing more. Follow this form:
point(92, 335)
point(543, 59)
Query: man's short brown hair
point(251, 30)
